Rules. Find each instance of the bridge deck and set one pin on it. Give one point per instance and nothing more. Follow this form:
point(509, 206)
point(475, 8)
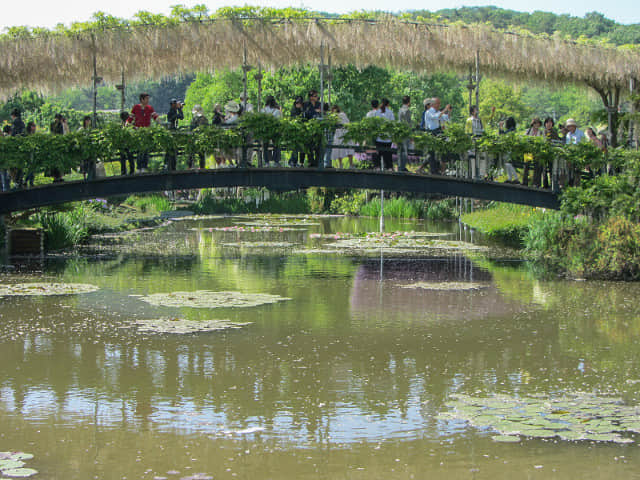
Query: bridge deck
point(274, 178)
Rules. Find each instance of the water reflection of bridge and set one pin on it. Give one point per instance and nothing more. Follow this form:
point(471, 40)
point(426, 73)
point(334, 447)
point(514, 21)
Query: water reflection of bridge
point(274, 178)
point(453, 288)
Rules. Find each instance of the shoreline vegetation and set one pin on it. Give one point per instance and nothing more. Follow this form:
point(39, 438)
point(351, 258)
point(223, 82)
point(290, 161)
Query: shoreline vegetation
point(595, 235)
point(591, 237)
point(72, 225)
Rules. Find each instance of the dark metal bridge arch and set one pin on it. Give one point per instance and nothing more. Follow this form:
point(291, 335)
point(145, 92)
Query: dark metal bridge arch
point(273, 178)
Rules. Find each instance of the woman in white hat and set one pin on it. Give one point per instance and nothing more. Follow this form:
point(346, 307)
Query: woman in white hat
point(574, 134)
point(232, 110)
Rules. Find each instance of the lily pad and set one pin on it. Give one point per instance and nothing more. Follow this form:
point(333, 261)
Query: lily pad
point(506, 438)
point(9, 464)
point(209, 299)
point(45, 289)
point(396, 243)
point(259, 245)
point(20, 456)
point(183, 326)
point(446, 286)
point(571, 417)
point(19, 472)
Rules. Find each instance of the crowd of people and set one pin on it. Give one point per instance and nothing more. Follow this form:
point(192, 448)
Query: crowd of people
point(433, 119)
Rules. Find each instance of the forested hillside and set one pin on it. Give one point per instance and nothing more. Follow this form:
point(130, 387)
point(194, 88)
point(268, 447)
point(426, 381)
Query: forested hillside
point(593, 25)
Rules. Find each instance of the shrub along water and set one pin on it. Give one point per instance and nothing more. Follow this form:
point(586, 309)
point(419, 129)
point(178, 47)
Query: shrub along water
point(64, 229)
point(580, 247)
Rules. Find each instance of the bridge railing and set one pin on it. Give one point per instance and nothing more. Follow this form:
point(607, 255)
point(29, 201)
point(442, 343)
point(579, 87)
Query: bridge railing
point(261, 137)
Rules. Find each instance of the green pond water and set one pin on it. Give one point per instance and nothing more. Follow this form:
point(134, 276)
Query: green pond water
point(410, 356)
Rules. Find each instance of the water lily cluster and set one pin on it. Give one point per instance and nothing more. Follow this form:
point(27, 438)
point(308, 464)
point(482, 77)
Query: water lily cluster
point(570, 416)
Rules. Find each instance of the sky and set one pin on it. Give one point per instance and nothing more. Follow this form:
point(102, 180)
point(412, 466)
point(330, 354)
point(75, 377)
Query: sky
point(47, 13)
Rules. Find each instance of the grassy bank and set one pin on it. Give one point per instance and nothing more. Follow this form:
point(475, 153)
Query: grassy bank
point(504, 222)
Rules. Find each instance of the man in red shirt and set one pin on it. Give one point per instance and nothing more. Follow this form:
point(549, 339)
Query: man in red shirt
point(143, 113)
point(141, 116)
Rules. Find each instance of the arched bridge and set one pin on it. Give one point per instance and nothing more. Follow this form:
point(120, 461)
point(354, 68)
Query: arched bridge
point(273, 178)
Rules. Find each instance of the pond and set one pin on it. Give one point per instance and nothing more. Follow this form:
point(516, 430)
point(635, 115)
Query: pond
point(271, 347)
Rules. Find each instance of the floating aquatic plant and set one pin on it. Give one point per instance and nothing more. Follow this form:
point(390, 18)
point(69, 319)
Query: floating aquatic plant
point(19, 472)
point(209, 299)
point(396, 243)
point(259, 245)
point(446, 286)
point(576, 416)
point(279, 223)
point(184, 326)
point(242, 229)
point(45, 289)
point(12, 465)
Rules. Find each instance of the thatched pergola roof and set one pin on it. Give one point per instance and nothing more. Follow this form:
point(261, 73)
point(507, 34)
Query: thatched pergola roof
point(54, 61)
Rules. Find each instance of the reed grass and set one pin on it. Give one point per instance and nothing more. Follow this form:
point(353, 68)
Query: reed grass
point(395, 208)
point(150, 203)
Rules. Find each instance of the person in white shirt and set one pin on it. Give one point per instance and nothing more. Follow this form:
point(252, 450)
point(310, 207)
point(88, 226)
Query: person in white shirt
point(434, 119)
point(574, 134)
point(374, 109)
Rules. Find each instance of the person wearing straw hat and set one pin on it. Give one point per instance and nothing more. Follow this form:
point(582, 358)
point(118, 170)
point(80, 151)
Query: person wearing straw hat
point(574, 134)
point(232, 111)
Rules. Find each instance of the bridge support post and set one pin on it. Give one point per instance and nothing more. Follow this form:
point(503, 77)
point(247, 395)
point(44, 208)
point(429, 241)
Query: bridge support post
point(4, 251)
point(554, 176)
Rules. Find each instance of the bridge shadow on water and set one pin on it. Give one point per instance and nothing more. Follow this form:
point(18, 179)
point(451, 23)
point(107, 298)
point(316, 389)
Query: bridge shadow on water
point(282, 179)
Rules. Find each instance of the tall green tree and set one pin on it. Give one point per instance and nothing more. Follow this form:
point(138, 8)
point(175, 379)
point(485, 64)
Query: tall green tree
point(507, 100)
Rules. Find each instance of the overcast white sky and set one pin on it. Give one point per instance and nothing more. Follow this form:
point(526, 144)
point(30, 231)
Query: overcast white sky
point(48, 13)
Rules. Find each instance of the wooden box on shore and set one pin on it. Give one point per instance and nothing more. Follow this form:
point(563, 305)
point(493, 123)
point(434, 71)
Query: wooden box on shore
point(25, 241)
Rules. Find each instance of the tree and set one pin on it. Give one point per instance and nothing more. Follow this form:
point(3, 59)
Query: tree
point(507, 99)
point(25, 101)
